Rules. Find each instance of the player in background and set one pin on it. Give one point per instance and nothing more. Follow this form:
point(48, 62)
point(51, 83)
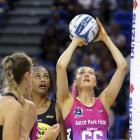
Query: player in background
point(48, 110)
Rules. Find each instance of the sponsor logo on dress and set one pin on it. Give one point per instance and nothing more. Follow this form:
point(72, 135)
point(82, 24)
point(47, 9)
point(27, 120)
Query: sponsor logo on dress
point(50, 116)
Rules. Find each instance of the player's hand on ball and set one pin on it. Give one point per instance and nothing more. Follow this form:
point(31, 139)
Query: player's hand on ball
point(101, 33)
point(78, 41)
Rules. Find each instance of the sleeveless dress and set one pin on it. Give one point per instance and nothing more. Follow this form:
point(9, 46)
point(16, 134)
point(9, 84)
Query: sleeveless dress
point(46, 119)
point(87, 123)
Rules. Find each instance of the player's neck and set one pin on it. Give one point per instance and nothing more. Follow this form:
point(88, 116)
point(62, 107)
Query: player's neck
point(86, 98)
point(39, 101)
point(86, 93)
point(11, 90)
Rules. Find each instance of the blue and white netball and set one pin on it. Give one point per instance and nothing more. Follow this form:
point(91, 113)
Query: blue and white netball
point(83, 26)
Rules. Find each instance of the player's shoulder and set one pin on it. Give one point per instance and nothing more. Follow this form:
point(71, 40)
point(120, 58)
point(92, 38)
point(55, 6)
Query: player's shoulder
point(11, 103)
point(31, 105)
point(9, 106)
point(31, 109)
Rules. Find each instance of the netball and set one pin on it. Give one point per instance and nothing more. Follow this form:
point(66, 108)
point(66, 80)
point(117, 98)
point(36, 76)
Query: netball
point(83, 26)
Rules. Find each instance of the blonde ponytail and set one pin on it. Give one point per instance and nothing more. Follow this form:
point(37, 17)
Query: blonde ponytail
point(8, 64)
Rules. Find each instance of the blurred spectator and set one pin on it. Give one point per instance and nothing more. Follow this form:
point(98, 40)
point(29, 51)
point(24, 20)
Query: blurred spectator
point(118, 38)
point(112, 4)
point(3, 7)
point(105, 12)
point(56, 21)
point(56, 33)
point(125, 4)
point(85, 3)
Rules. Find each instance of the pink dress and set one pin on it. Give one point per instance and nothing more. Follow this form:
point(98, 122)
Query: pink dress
point(87, 123)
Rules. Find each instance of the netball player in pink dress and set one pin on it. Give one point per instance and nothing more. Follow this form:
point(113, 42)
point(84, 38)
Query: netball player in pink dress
point(86, 116)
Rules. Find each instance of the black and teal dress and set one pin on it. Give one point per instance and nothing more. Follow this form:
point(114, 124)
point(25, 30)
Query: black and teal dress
point(47, 119)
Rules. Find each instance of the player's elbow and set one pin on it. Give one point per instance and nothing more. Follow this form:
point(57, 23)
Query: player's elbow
point(124, 66)
point(60, 66)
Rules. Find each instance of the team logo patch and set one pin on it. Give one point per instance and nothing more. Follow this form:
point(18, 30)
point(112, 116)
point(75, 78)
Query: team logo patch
point(100, 111)
point(78, 112)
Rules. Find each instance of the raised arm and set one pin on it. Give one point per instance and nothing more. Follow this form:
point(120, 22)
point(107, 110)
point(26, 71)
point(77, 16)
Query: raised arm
point(110, 93)
point(63, 93)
